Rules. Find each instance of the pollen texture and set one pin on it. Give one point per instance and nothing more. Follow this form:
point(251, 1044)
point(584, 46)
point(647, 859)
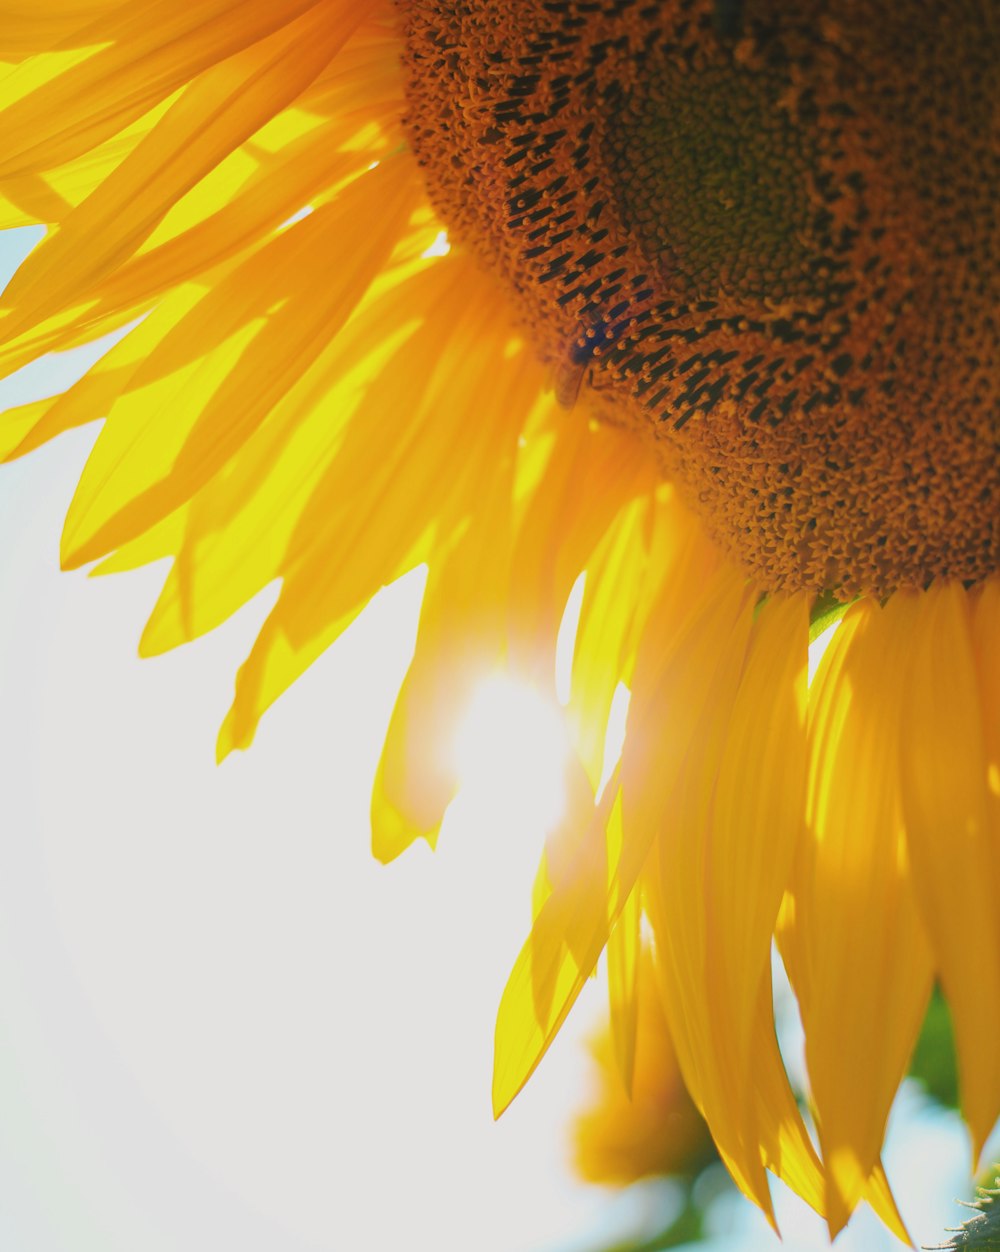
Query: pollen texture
point(765, 236)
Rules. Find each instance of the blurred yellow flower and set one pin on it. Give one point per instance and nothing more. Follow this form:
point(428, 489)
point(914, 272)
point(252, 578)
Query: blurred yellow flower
point(652, 1130)
point(717, 325)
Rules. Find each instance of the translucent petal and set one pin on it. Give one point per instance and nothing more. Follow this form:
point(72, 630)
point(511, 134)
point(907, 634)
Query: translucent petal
point(462, 633)
point(623, 970)
point(216, 375)
point(134, 56)
point(210, 118)
point(757, 815)
point(954, 854)
point(566, 939)
point(857, 954)
point(676, 738)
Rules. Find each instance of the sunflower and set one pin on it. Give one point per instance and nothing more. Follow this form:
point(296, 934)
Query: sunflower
point(715, 323)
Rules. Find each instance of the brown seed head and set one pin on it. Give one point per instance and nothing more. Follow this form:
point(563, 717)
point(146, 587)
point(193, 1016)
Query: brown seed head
point(769, 235)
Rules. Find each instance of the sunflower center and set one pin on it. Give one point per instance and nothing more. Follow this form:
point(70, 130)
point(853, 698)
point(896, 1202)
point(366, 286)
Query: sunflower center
point(732, 212)
point(765, 237)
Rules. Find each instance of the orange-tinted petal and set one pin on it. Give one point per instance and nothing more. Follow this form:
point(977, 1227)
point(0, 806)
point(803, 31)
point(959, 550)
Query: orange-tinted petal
point(954, 854)
point(856, 953)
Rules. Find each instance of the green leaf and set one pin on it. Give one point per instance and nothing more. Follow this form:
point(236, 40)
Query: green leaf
point(981, 1232)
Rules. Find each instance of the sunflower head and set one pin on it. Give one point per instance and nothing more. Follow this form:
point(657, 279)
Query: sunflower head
point(766, 236)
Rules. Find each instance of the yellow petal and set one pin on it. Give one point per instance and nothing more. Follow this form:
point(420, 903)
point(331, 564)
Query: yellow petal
point(49, 197)
point(985, 633)
point(623, 969)
point(955, 856)
point(459, 640)
point(381, 506)
point(211, 117)
point(216, 375)
point(274, 663)
point(547, 976)
point(134, 57)
point(240, 524)
point(29, 426)
point(857, 954)
point(27, 28)
point(757, 815)
point(879, 1195)
point(590, 474)
point(610, 620)
point(701, 731)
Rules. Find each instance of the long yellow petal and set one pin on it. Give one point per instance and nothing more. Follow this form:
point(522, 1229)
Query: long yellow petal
point(954, 855)
point(139, 54)
point(462, 632)
point(591, 474)
point(28, 426)
point(27, 28)
point(752, 828)
point(623, 968)
point(211, 117)
point(609, 625)
point(50, 197)
point(225, 365)
point(757, 815)
point(241, 522)
point(877, 1191)
point(857, 954)
point(383, 505)
point(566, 939)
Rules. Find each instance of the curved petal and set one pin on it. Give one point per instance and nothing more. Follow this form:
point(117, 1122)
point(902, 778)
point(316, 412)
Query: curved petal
point(955, 855)
point(857, 954)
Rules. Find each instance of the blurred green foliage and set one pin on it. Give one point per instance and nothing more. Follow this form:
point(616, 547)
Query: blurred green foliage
point(933, 1064)
point(686, 1228)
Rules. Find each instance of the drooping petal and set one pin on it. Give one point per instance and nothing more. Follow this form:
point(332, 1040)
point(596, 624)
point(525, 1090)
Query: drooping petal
point(756, 819)
point(382, 505)
point(954, 854)
point(611, 616)
point(572, 926)
point(623, 969)
point(855, 950)
point(656, 1130)
point(590, 474)
point(708, 792)
point(28, 426)
point(985, 633)
point(569, 931)
point(462, 632)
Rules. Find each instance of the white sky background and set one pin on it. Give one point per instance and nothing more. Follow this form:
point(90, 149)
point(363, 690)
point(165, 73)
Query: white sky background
point(223, 1025)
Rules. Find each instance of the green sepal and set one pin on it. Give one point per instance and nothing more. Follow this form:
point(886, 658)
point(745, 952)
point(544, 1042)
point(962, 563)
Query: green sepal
point(982, 1231)
point(826, 610)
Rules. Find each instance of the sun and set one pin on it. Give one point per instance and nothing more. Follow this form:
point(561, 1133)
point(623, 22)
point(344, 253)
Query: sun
point(510, 754)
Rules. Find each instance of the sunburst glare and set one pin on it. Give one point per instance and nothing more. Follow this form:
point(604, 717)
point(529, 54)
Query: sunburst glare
point(510, 752)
